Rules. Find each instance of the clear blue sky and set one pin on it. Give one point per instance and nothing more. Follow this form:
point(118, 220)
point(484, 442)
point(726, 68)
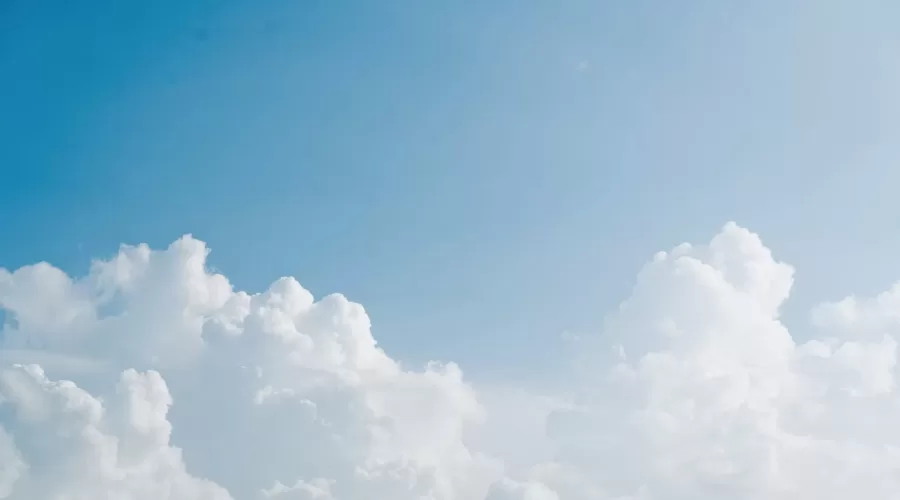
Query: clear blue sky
point(482, 176)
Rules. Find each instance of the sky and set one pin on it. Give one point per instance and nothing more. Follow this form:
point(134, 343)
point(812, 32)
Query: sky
point(500, 169)
point(491, 181)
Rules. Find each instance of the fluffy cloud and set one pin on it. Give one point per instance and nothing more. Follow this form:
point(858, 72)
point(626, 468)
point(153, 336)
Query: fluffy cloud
point(151, 378)
point(703, 393)
point(81, 449)
point(272, 389)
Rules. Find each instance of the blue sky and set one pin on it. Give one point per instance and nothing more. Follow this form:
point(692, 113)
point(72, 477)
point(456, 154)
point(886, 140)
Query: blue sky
point(482, 176)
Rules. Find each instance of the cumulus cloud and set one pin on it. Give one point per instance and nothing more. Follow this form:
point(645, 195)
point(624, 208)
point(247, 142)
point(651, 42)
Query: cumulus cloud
point(272, 388)
point(152, 378)
point(79, 448)
point(703, 393)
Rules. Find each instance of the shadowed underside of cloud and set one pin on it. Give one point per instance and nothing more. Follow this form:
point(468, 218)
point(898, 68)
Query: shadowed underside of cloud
point(152, 379)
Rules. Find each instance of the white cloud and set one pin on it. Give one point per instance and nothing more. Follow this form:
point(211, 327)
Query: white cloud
point(714, 399)
point(696, 390)
point(77, 448)
point(273, 388)
point(319, 489)
point(507, 489)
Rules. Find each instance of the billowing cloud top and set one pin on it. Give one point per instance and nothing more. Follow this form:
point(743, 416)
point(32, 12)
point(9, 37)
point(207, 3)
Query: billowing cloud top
point(152, 379)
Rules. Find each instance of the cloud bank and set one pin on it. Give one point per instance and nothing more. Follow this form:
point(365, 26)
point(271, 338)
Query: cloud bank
point(151, 378)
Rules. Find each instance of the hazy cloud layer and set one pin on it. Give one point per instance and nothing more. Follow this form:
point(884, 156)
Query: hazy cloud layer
point(153, 379)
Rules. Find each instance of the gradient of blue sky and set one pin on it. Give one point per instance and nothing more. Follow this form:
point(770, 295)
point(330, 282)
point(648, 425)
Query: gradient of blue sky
point(480, 175)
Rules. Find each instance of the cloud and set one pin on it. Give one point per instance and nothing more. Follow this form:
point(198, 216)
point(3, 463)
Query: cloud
point(507, 489)
point(76, 447)
point(272, 388)
point(706, 394)
point(319, 489)
point(152, 378)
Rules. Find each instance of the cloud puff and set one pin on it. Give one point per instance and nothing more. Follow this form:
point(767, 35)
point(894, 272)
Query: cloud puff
point(158, 380)
point(271, 389)
point(507, 489)
point(78, 448)
point(702, 392)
